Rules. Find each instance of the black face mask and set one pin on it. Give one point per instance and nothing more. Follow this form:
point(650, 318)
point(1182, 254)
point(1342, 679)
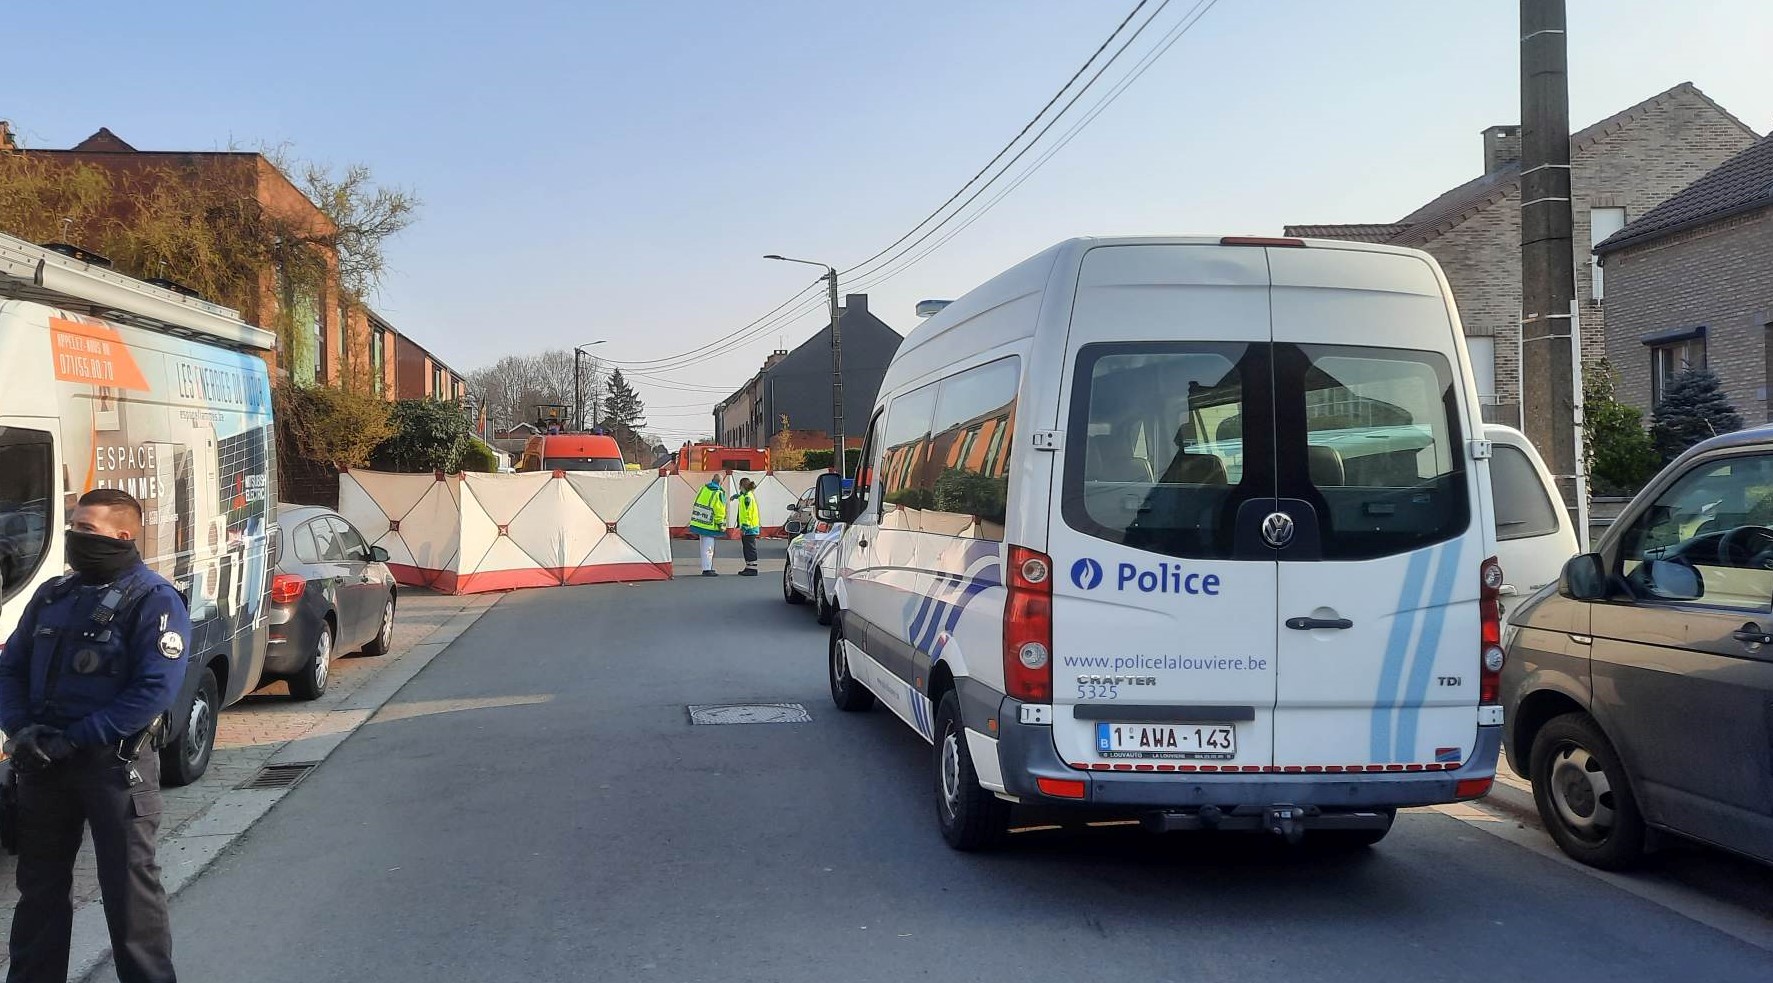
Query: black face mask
point(100, 558)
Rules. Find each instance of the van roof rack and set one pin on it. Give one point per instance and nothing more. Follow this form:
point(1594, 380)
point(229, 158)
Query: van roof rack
point(48, 276)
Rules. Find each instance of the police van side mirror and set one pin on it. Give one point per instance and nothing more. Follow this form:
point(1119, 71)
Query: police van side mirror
point(1584, 578)
point(828, 496)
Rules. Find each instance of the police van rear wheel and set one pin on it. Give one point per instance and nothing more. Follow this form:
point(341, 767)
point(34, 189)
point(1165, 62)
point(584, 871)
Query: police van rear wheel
point(186, 759)
point(846, 690)
point(971, 817)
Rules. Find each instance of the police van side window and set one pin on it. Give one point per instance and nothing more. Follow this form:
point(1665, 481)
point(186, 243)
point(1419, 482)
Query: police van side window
point(27, 480)
point(968, 468)
point(1523, 509)
point(907, 489)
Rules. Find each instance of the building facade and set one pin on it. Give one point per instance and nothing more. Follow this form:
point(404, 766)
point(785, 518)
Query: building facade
point(1690, 285)
point(1621, 168)
point(793, 389)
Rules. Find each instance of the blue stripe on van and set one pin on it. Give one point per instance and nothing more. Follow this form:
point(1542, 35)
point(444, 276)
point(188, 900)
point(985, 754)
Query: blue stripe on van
point(1396, 647)
point(1427, 648)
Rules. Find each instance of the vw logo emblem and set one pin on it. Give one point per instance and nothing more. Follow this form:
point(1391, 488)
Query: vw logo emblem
point(1086, 573)
point(1277, 529)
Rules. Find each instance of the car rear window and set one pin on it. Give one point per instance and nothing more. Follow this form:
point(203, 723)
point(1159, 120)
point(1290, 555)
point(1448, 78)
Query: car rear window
point(1523, 509)
point(583, 464)
point(1163, 463)
point(1177, 436)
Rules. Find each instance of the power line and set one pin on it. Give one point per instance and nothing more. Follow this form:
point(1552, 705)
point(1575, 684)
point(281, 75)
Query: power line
point(1182, 27)
point(1020, 133)
point(703, 349)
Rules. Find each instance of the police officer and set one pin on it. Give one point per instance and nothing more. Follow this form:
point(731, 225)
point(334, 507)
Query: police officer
point(97, 658)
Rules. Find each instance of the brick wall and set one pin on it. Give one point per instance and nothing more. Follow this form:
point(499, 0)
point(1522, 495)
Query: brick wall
point(1720, 276)
point(1637, 165)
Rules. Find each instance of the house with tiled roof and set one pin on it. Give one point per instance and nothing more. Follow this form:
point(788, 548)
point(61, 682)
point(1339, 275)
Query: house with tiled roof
point(1690, 285)
point(1620, 169)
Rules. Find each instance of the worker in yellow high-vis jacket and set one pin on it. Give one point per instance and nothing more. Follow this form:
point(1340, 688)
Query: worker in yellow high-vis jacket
point(750, 525)
point(708, 520)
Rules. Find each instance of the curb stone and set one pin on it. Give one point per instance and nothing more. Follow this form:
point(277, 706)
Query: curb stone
point(186, 855)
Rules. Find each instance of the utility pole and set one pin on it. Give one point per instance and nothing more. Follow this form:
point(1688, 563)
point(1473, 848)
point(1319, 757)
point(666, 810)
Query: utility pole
point(578, 399)
point(830, 279)
point(1549, 362)
point(837, 460)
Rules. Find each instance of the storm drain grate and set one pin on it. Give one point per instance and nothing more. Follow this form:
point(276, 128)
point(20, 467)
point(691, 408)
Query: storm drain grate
point(280, 776)
point(749, 713)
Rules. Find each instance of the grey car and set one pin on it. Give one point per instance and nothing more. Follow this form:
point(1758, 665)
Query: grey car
point(332, 593)
point(1638, 691)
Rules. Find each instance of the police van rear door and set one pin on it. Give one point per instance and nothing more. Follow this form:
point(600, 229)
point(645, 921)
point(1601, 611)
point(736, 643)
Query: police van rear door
point(1380, 638)
point(1164, 608)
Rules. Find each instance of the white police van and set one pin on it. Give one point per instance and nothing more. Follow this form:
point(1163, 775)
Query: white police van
point(1194, 528)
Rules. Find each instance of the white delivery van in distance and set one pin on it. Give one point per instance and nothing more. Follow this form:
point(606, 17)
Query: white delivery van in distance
point(1193, 528)
point(114, 383)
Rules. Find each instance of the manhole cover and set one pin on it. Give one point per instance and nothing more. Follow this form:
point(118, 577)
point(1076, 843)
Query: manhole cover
point(749, 713)
point(279, 776)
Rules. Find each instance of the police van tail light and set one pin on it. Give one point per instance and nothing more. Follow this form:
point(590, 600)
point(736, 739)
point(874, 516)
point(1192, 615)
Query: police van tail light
point(1490, 653)
point(1028, 627)
point(286, 588)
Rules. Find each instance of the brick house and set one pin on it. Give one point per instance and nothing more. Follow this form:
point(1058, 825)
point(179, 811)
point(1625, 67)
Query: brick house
point(418, 374)
point(1621, 168)
point(1690, 285)
point(793, 389)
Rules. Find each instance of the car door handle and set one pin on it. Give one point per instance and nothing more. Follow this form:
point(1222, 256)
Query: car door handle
point(1309, 624)
point(1752, 634)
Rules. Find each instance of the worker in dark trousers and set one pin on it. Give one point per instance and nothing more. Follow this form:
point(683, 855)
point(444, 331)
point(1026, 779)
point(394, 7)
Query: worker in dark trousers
point(97, 658)
point(750, 525)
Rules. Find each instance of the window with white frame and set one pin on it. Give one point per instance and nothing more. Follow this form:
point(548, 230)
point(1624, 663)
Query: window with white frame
point(1483, 365)
point(1602, 222)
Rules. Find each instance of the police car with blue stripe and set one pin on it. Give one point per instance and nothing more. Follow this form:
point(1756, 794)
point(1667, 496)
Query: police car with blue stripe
point(1198, 529)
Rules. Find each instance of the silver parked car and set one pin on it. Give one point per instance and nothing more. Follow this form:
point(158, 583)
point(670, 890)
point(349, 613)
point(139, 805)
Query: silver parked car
point(1639, 690)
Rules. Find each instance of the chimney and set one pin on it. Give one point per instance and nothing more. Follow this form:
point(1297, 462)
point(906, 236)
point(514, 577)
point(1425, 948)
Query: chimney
point(1502, 147)
point(7, 143)
point(855, 302)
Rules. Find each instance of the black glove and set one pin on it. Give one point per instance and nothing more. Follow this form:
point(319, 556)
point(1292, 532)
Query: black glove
point(54, 745)
point(26, 747)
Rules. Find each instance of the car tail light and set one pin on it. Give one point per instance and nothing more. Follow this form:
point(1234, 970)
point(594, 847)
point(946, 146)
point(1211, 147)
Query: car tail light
point(1490, 653)
point(1028, 627)
point(1472, 788)
point(287, 588)
point(1061, 788)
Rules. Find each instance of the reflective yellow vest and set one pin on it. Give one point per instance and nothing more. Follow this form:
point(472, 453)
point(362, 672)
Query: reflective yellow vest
point(708, 514)
point(749, 523)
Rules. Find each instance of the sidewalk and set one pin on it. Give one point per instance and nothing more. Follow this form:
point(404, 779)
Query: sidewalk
point(200, 817)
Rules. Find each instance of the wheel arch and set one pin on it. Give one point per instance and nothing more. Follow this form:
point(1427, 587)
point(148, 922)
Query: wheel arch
point(1535, 710)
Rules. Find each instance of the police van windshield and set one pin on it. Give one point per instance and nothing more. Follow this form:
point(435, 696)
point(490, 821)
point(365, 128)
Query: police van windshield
point(26, 484)
point(1178, 436)
point(583, 464)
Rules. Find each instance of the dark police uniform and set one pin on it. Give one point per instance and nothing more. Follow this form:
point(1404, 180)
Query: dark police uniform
point(101, 662)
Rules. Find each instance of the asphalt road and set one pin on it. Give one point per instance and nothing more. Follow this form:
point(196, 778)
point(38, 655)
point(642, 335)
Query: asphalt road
point(535, 806)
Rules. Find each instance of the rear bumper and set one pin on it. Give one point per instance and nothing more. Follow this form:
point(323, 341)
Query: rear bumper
point(1026, 754)
point(291, 641)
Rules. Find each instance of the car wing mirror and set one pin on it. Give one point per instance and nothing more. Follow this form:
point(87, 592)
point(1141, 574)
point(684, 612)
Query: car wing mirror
point(829, 494)
point(1584, 578)
point(378, 554)
point(793, 527)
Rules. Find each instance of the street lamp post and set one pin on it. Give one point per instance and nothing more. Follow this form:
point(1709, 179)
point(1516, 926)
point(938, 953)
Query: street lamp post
point(830, 279)
point(578, 400)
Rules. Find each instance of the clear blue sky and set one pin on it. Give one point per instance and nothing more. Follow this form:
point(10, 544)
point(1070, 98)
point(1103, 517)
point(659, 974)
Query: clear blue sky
point(616, 169)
